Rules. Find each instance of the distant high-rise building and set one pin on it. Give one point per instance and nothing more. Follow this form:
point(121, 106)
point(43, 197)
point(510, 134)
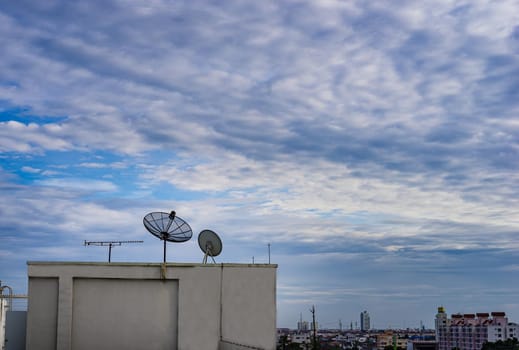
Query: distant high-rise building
point(302, 326)
point(441, 326)
point(364, 321)
point(471, 331)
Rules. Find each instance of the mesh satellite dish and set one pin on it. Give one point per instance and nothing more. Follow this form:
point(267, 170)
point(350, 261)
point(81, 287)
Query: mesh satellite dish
point(210, 244)
point(167, 227)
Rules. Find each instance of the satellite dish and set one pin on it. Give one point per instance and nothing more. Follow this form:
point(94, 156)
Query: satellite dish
point(210, 244)
point(167, 227)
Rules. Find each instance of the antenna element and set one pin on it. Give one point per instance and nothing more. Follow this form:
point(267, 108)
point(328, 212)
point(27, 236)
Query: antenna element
point(110, 244)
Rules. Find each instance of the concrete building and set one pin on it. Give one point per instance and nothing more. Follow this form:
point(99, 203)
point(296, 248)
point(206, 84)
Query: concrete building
point(422, 345)
point(471, 331)
point(364, 321)
point(303, 338)
point(302, 326)
point(390, 338)
point(151, 306)
point(442, 328)
point(513, 330)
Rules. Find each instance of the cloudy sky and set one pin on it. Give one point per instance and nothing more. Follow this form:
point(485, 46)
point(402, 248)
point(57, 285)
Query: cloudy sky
point(373, 144)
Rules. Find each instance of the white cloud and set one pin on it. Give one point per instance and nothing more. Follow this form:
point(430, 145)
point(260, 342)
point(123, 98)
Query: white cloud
point(31, 170)
point(80, 184)
point(93, 165)
point(19, 137)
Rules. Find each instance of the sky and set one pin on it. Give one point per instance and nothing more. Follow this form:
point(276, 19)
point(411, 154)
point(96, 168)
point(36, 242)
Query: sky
point(373, 144)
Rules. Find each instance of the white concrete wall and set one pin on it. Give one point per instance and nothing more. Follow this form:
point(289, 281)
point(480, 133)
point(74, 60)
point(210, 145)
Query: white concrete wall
point(123, 305)
point(116, 311)
point(247, 300)
point(43, 319)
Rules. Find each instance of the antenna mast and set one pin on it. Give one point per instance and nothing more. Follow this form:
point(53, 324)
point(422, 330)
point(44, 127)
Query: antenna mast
point(110, 244)
point(314, 326)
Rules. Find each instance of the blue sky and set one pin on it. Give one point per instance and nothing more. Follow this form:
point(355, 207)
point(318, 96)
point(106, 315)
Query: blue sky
point(375, 145)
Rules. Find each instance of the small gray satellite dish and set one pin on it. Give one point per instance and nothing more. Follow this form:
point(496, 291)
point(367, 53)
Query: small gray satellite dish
point(210, 244)
point(167, 227)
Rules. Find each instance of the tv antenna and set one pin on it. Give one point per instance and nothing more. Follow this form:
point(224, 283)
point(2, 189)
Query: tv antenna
point(110, 245)
point(210, 244)
point(167, 227)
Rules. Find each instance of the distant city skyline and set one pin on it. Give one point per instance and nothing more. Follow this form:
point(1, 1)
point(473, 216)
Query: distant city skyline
point(304, 320)
point(370, 147)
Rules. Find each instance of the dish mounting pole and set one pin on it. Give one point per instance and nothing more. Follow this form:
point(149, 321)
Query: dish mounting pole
point(208, 252)
point(164, 250)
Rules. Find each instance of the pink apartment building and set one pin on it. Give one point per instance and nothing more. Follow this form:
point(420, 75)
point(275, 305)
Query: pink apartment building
point(471, 331)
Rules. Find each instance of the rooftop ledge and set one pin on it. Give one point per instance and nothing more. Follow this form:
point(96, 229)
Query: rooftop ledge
point(93, 263)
